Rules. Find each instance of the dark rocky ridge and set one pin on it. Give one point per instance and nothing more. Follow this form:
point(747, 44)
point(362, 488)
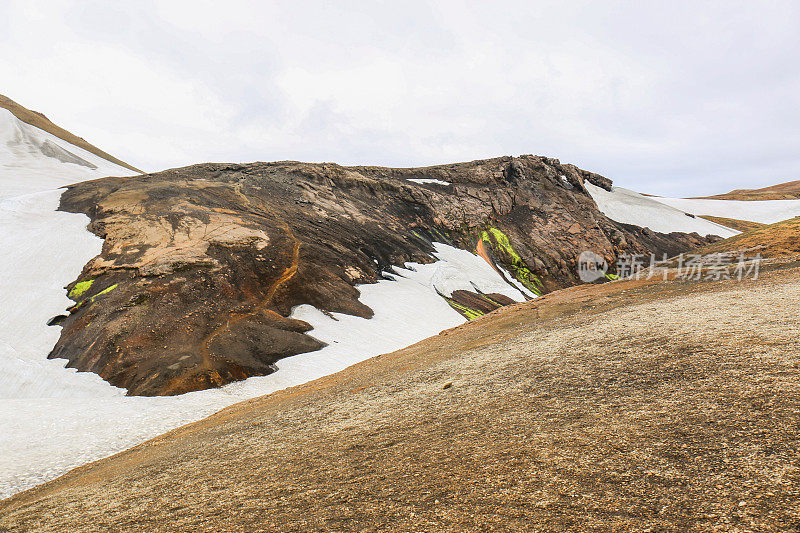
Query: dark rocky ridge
point(202, 265)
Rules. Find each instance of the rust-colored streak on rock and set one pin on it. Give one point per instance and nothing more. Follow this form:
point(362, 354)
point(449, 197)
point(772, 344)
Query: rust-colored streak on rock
point(185, 383)
point(480, 249)
point(234, 318)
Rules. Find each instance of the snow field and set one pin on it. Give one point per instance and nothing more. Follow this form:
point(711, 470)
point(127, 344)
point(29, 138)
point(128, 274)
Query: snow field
point(630, 207)
point(763, 211)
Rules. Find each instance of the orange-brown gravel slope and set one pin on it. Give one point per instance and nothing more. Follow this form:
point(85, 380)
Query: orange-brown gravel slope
point(627, 406)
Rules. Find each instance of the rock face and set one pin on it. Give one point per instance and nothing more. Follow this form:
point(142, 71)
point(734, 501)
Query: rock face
point(202, 265)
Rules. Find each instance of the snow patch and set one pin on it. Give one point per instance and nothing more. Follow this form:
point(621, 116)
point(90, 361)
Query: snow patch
point(32, 160)
point(630, 207)
point(763, 211)
point(429, 180)
point(43, 251)
point(460, 269)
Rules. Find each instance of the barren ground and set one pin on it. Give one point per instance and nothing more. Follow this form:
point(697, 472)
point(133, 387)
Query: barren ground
point(781, 191)
point(739, 225)
point(779, 240)
point(628, 406)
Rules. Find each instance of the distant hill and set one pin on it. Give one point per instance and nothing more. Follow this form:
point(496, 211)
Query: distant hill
point(39, 120)
point(783, 191)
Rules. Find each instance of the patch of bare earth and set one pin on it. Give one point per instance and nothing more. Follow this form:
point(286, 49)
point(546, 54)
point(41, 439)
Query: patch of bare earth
point(733, 223)
point(627, 406)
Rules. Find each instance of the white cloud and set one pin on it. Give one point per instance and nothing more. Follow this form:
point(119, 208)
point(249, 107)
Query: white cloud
point(682, 98)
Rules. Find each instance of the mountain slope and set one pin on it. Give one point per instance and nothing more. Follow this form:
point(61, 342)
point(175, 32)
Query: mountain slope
point(781, 191)
point(41, 122)
point(779, 240)
point(227, 253)
point(540, 416)
point(738, 225)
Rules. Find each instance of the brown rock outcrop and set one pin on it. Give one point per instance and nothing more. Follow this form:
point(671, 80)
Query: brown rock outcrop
point(202, 265)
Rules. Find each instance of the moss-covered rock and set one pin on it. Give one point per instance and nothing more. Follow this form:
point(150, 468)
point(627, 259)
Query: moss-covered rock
point(505, 254)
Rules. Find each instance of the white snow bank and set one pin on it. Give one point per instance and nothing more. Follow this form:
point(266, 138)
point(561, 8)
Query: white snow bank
point(764, 211)
point(462, 270)
point(429, 180)
point(630, 207)
point(33, 160)
point(43, 250)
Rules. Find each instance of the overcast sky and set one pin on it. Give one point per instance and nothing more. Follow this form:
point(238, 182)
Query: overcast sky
point(665, 97)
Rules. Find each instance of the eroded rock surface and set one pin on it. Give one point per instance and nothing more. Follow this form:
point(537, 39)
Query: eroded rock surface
point(202, 265)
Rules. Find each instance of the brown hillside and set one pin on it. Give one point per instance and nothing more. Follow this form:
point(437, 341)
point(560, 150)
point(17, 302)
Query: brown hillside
point(627, 406)
point(733, 223)
point(781, 239)
point(202, 266)
point(781, 191)
point(34, 118)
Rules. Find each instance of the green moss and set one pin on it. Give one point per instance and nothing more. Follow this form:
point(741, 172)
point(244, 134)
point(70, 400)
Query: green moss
point(443, 237)
point(80, 288)
point(465, 311)
point(105, 291)
point(516, 265)
point(91, 299)
point(484, 297)
point(502, 241)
